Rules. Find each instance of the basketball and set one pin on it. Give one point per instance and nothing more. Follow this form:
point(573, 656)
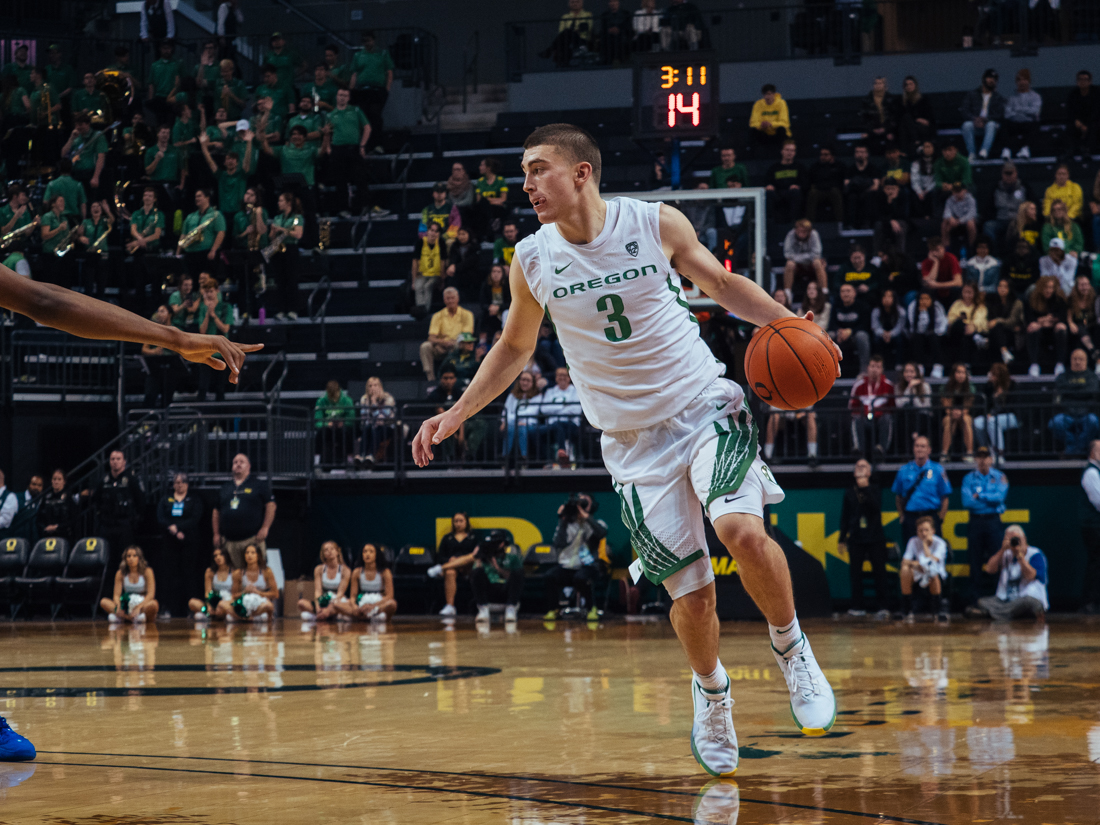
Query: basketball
point(791, 364)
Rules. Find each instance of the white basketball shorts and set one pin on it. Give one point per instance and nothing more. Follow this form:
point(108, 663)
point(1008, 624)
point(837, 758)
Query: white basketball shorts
point(705, 455)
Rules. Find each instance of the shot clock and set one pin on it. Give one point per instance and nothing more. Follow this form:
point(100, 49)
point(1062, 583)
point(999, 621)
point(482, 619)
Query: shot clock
point(675, 98)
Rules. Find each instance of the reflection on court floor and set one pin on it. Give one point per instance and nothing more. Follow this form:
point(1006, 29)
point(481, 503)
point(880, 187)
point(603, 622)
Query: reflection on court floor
point(420, 723)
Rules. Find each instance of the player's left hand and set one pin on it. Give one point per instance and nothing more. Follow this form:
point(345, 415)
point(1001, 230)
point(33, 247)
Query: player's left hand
point(201, 349)
point(809, 316)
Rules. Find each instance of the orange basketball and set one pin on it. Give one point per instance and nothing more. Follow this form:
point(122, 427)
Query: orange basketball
point(791, 364)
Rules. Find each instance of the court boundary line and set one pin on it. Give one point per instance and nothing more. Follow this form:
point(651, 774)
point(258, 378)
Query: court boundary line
point(598, 785)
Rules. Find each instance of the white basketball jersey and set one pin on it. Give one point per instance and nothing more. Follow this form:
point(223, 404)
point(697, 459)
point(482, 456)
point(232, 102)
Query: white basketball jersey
point(632, 344)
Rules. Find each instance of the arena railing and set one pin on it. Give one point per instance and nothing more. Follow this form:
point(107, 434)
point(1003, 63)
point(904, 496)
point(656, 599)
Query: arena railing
point(56, 363)
point(844, 31)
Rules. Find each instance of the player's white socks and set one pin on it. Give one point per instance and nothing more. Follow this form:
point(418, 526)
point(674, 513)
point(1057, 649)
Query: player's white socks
point(784, 638)
point(714, 682)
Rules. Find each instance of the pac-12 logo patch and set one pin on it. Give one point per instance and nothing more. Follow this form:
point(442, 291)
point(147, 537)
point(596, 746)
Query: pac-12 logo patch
point(632, 248)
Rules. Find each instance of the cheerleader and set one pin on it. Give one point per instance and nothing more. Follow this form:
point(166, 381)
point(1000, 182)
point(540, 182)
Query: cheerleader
point(330, 584)
point(371, 588)
point(218, 586)
point(135, 588)
point(254, 588)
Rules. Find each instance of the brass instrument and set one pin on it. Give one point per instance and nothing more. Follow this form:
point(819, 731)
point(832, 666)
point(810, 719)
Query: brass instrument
point(189, 238)
point(324, 234)
point(67, 244)
point(16, 234)
point(118, 88)
point(99, 245)
point(150, 228)
point(275, 247)
point(45, 117)
point(254, 238)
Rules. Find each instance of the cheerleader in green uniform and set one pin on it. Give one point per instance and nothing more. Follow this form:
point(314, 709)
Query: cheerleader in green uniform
point(218, 586)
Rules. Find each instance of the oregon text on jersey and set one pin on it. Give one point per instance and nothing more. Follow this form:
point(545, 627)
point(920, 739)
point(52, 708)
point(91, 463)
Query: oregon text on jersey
point(608, 280)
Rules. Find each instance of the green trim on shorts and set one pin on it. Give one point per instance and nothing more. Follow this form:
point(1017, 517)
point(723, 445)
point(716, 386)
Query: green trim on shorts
point(735, 454)
point(658, 562)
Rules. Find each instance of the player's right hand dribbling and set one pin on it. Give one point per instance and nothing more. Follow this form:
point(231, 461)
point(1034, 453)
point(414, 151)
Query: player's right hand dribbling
point(432, 432)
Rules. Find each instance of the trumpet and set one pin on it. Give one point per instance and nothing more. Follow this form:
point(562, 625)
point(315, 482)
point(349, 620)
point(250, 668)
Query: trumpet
point(195, 234)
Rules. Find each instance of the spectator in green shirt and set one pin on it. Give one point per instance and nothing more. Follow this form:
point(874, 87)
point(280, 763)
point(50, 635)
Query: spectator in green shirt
point(201, 250)
point(286, 64)
point(41, 116)
point(185, 134)
point(93, 240)
point(87, 149)
point(17, 212)
point(61, 76)
point(88, 99)
point(230, 93)
point(206, 75)
point(266, 120)
point(250, 224)
point(333, 409)
point(348, 147)
point(309, 118)
point(339, 72)
point(164, 83)
point(372, 78)
point(950, 168)
point(75, 199)
point(20, 69)
point(505, 245)
point(288, 225)
point(215, 318)
point(280, 98)
point(163, 165)
point(16, 102)
point(297, 157)
point(729, 169)
point(492, 194)
point(232, 178)
point(184, 304)
point(55, 229)
point(323, 89)
point(146, 225)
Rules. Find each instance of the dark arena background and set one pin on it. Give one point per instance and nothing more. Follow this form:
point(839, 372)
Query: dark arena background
point(341, 181)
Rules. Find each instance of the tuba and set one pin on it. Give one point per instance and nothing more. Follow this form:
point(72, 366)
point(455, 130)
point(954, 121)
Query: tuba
point(118, 88)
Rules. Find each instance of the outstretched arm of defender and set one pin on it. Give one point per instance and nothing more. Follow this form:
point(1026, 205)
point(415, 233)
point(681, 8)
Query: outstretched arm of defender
point(80, 315)
point(500, 368)
point(736, 293)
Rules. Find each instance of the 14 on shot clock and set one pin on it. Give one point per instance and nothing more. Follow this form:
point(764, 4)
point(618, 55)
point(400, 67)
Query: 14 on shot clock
point(675, 98)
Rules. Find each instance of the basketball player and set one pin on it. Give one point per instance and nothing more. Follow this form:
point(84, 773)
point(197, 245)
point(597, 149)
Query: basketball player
point(78, 314)
point(676, 434)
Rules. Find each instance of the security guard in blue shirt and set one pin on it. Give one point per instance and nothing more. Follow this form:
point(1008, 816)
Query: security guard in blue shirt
point(920, 489)
point(983, 494)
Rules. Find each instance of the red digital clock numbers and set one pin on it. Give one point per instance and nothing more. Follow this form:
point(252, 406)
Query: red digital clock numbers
point(675, 99)
point(676, 107)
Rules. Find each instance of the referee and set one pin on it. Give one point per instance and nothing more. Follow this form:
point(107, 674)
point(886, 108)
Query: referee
point(920, 489)
point(983, 494)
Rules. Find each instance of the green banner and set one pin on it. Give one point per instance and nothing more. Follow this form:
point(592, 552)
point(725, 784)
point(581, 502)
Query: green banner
point(810, 517)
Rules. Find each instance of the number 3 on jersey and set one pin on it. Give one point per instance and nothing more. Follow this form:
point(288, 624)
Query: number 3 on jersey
point(613, 305)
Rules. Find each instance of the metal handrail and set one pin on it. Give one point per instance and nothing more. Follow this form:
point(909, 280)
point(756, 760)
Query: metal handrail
point(273, 396)
point(325, 285)
point(294, 9)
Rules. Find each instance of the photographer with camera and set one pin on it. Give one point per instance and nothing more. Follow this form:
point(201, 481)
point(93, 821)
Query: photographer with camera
point(497, 575)
point(580, 541)
point(1022, 588)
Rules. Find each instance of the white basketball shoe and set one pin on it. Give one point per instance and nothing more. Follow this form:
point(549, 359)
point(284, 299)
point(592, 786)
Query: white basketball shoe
point(718, 803)
point(813, 705)
point(713, 740)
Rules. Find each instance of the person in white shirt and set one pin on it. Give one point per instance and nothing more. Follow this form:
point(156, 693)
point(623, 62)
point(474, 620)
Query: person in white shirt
point(1022, 587)
point(561, 408)
point(924, 565)
point(1057, 264)
point(9, 505)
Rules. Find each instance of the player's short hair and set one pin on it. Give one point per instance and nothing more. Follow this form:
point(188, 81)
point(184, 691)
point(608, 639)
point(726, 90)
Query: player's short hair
point(572, 141)
point(925, 520)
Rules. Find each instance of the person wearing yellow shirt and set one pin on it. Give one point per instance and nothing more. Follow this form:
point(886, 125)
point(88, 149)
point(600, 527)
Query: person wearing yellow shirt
point(427, 267)
point(770, 121)
point(446, 326)
point(1066, 191)
point(575, 30)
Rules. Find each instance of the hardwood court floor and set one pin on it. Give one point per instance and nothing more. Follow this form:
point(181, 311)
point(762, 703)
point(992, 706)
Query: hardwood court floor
point(967, 723)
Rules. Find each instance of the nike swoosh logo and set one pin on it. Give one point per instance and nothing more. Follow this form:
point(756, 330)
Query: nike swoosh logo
point(722, 406)
point(728, 499)
point(560, 271)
